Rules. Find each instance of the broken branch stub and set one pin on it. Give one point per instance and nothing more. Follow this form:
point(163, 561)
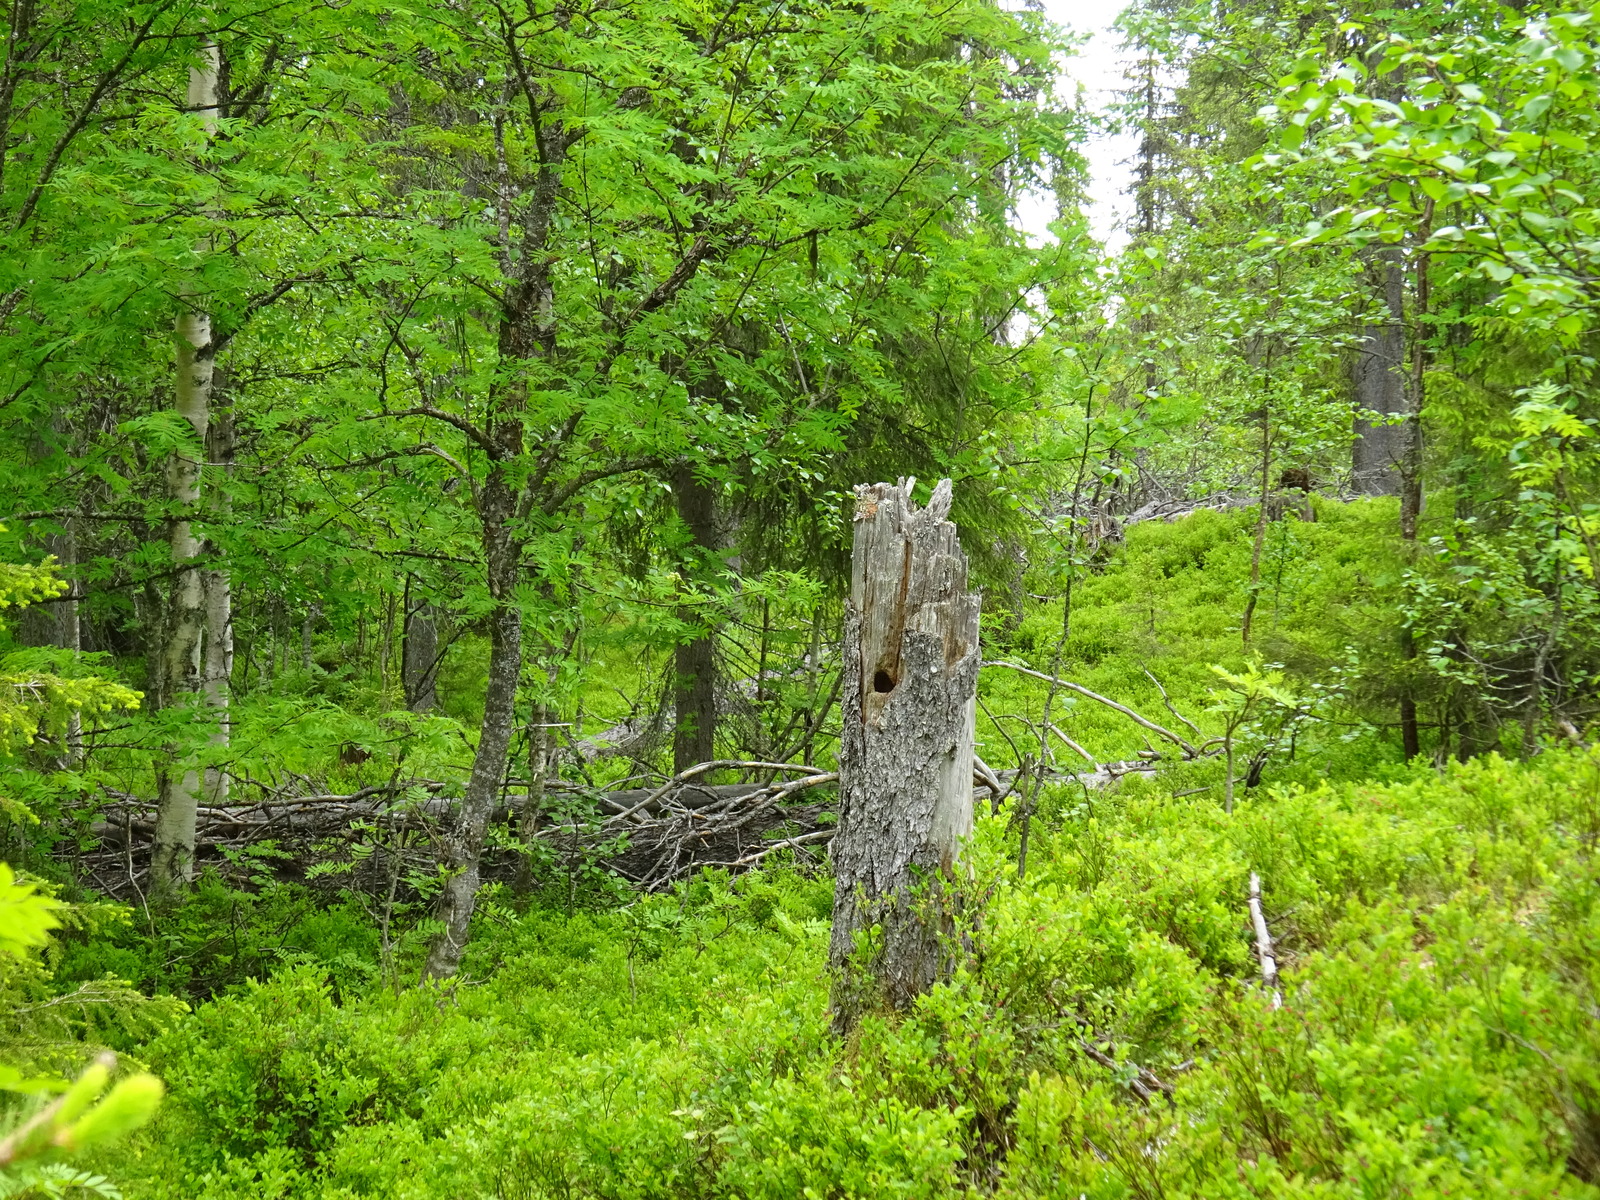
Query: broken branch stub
point(911, 661)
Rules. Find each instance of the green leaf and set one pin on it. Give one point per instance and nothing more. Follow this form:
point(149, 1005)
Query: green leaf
point(26, 917)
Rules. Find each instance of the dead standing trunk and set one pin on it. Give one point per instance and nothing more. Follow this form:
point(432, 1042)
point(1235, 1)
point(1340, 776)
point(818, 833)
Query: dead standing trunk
point(419, 655)
point(905, 758)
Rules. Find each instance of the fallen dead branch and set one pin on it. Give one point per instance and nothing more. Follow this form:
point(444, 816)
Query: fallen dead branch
point(1189, 750)
point(1264, 947)
point(651, 835)
point(1145, 1083)
point(678, 781)
point(1073, 746)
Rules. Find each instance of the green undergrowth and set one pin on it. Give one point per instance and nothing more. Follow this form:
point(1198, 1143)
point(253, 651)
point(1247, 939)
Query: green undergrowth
point(1440, 949)
point(1168, 601)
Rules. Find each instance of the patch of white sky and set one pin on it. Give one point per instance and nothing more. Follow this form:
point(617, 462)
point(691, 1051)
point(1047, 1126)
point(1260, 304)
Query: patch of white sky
point(1099, 68)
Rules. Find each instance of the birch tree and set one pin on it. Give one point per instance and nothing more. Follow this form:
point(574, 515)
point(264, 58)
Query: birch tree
point(172, 857)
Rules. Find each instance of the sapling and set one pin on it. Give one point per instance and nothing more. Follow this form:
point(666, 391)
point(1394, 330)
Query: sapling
point(1240, 698)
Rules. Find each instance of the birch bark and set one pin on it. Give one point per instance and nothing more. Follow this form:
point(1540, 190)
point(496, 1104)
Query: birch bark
point(911, 660)
point(172, 854)
point(217, 671)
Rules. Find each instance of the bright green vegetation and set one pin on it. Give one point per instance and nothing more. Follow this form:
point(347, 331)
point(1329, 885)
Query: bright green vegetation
point(1167, 600)
point(1440, 955)
point(418, 419)
point(1438, 946)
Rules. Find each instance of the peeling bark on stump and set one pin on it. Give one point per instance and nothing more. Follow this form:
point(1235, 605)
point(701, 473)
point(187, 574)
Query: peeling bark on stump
point(911, 661)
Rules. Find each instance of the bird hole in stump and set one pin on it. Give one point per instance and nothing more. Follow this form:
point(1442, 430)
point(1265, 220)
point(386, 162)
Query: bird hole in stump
point(882, 683)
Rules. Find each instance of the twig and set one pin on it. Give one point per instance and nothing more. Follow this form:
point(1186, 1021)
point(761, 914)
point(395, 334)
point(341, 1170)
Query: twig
point(1145, 1084)
point(821, 835)
point(689, 773)
point(133, 882)
point(1074, 746)
point(1172, 708)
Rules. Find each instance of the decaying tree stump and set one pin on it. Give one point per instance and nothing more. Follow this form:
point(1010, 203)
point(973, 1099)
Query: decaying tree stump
point(911, 661)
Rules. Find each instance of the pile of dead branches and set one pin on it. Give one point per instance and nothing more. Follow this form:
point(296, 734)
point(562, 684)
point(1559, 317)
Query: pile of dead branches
point(650, 836)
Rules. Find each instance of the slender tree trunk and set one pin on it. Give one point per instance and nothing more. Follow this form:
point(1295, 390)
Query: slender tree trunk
point(386, 641)
point(419, 655)
point(911, 661)
point(172, 850)
point(69, 630)
point(1411, 457)
point(308, 625)
point(539, 746)
point(1380, 387)
point(464, 847)
point(694, 733)
point(1227, 783)
point(218, 668)
point(1411, 500)
point(1261, 523)
point(527, 333)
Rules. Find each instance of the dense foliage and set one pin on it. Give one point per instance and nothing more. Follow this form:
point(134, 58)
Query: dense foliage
point(1435, 1031)
point(427, 435)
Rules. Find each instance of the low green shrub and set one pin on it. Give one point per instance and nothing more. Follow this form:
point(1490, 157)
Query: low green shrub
point(1106, 1036)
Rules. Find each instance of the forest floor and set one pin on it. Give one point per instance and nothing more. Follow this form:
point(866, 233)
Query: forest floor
point(1111, 1030)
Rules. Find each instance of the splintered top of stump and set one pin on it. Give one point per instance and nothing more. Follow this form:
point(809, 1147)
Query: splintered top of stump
point(908, 574)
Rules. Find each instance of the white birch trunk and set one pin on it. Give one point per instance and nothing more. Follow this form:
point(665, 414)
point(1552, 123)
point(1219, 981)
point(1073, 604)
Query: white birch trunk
point(172, 854)
point(217, 675)
point(911, 659)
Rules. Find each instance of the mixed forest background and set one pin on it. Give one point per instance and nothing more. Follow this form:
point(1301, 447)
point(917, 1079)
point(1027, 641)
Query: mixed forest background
point(428, 434)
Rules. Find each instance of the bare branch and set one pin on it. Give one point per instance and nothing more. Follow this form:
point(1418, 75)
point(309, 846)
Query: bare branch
point(1189, 751)
point(1264, 949)
point(484, 441)
point(1172, 708)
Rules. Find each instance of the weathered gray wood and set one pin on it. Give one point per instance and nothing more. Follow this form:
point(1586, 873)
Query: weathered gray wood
point(1379, 377)
point(1265, 951)
point(911, 661)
